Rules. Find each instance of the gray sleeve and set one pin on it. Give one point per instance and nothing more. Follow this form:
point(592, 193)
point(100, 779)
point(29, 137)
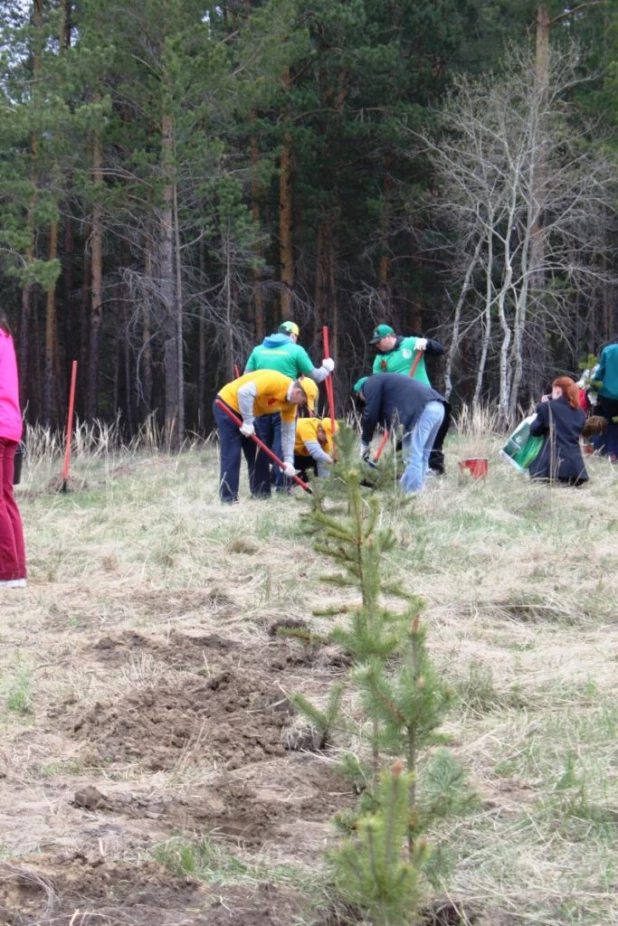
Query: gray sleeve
point(316, 451)
point(318, 374)
point(246, 396)
point(288, 436)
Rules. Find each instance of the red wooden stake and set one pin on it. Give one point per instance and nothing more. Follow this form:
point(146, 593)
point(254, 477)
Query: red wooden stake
point(67, 449)
point(236, 371)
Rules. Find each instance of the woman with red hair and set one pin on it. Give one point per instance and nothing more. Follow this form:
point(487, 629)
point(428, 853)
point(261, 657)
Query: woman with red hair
point(560, 420)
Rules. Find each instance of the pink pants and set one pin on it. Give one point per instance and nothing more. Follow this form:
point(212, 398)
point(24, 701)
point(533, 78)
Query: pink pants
point(12, 549)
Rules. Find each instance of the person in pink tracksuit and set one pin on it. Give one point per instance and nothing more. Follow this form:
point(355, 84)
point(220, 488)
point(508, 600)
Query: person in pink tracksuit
point(12, 549)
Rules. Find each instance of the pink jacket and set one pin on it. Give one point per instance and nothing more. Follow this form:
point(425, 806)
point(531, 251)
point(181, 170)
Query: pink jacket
point(10, 415)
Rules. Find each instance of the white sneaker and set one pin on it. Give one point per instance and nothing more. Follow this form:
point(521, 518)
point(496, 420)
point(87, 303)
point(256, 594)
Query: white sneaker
point(13, 583)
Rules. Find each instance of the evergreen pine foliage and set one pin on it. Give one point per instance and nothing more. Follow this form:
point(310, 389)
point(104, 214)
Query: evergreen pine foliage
point(370, 870)
point(322, 720)
point(384, 863)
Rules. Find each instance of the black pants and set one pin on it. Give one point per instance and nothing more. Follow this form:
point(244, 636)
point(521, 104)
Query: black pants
point(268, 429)
point(305, 465)
point(231, 445)
point(436, 457)
point(609, 409)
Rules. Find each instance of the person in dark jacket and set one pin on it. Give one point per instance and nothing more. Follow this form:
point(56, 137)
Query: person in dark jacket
point(560, 420)
point(390, 399)
point(396, 354)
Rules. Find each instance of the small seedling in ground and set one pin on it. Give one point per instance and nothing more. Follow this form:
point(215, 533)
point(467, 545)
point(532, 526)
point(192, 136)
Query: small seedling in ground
point(18, 698)
point(380, 866)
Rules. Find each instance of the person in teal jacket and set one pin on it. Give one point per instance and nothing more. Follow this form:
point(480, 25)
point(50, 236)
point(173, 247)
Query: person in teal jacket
point(281, 352)
point(396, 354)
point(607, 376)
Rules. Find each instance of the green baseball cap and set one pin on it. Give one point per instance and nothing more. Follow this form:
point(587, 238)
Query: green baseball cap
point(381, 331)
point(358, 385)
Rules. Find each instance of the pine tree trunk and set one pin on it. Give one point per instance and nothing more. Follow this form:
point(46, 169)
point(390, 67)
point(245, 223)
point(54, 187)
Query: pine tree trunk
point(96, 276)
point(258, 295)
point(50, 335)
point(201, 362)
point(84, 311)
point(385, 228)
point(286, 248)
point(69, 237)
point(145, 378)
point(168, 285)
point(321, 280)
point(28, 290)
point(179, 320)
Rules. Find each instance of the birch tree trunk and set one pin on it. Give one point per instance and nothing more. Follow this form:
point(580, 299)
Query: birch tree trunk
point(454, 344)
point(489, 291)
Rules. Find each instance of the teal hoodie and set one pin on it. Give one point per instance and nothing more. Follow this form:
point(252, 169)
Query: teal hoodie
point(607, 372)
point(279, 352)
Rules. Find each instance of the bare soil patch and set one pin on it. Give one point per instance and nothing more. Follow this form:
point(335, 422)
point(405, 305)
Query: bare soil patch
point(233, 717)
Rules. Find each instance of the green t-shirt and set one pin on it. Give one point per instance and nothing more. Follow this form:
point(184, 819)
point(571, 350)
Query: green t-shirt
point(400, 360)
point(279, 353)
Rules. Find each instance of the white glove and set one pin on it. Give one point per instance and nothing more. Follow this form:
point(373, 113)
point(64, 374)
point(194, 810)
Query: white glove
point(288, 470)
point(364, 450)
point(247, 430)
point(328, 364)
point(420, 344)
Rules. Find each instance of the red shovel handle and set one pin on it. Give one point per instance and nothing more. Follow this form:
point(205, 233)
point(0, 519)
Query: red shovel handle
point(416, 362)
point(261, 444)
point(328, 382)
point(382, 446)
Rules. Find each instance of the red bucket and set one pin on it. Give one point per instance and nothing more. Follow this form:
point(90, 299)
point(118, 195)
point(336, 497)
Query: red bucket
point(477, 467)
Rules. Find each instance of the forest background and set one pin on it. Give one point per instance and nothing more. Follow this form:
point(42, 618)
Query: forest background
point(178, 176)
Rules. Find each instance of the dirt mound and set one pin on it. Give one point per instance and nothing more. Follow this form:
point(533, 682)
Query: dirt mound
point(78, 893)
point(231, 717)
point(283, 793)
point(178, 650)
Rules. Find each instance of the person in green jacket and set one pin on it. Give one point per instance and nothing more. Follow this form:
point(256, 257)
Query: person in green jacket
point(281, 352)
point(396, 354)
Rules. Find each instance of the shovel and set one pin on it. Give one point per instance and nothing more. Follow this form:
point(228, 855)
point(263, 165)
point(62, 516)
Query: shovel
point(256, 440)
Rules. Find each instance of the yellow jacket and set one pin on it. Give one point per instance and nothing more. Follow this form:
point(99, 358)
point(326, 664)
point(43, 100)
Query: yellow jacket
point(269, 390)
point(307, 430)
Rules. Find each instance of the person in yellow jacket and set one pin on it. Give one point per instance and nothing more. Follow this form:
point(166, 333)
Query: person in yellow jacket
point(250, 396)
point(313, 448)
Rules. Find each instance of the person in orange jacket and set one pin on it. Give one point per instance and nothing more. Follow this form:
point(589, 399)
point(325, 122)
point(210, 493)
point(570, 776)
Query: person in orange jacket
point(250, 396)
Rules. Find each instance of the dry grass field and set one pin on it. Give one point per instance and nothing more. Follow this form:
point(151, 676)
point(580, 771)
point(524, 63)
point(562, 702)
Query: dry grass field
point(147, 774)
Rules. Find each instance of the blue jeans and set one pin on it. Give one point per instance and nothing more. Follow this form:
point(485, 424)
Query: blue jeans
point(417, 446)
